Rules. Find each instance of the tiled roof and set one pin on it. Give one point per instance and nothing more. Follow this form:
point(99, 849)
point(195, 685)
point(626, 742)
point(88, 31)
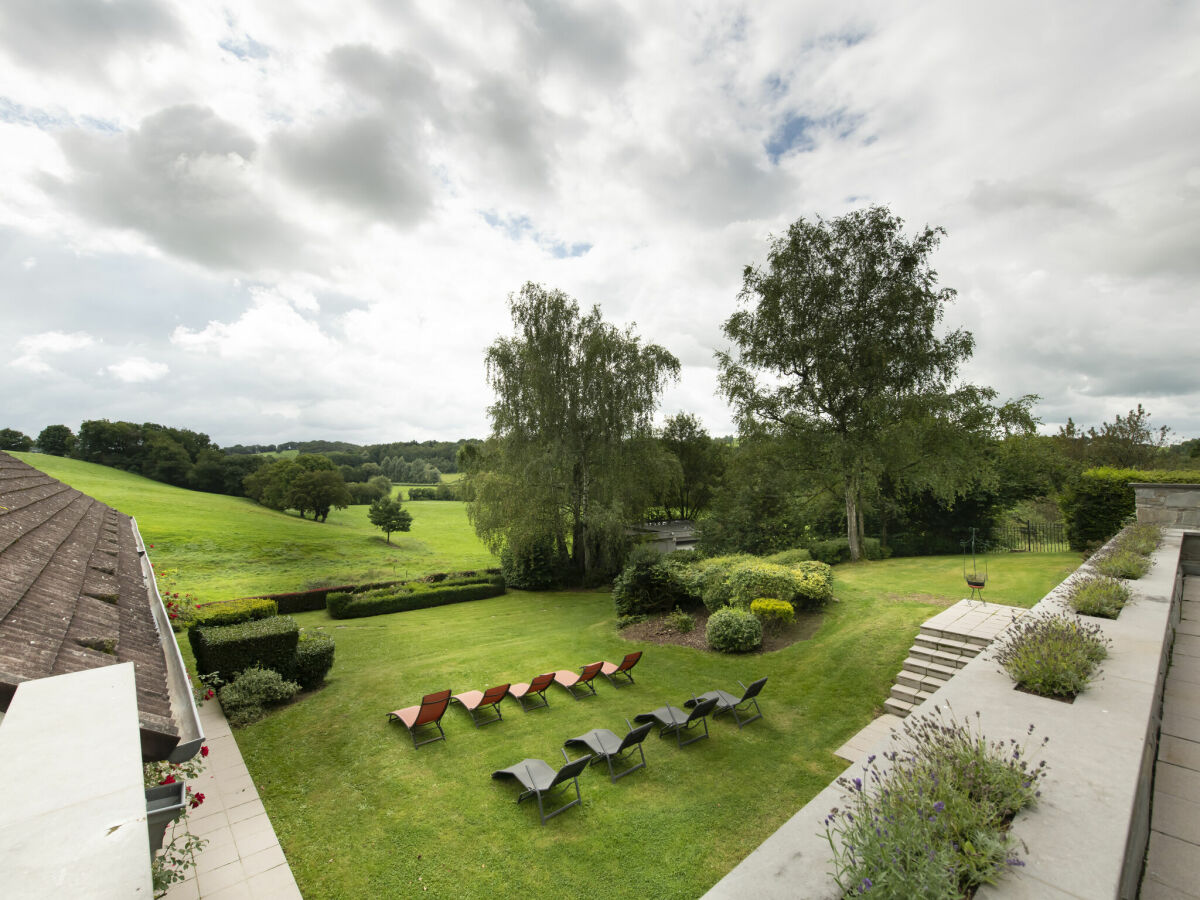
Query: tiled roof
point(72, 593)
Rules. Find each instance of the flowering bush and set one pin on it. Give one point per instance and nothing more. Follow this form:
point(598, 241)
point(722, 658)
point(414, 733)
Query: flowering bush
point(1104, 597)
point(1054, 656)
point(179, 852)
point(1143, 539)
point(181, 608)
point(933, 825)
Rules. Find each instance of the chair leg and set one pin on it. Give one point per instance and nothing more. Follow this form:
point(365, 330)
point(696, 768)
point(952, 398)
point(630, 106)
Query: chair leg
point(683, 743)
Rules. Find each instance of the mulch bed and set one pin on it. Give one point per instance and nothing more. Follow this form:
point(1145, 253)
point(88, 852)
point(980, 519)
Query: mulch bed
point(658, 631)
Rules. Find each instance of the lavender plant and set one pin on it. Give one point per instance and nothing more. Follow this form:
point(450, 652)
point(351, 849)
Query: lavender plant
point(1122, 563)
point(1054, 656)
point(1143, 539)
point(1104, 597)
point(935, 822)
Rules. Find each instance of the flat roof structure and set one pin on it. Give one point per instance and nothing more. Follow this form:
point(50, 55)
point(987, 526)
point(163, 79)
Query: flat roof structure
point(77, 593)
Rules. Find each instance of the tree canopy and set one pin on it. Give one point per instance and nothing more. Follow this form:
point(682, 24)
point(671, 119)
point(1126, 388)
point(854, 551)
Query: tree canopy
point(838, 350)
point(571, 459)
point(389, 515)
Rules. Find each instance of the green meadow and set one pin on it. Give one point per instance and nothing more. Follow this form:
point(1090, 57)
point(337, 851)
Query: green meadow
point(219, 547)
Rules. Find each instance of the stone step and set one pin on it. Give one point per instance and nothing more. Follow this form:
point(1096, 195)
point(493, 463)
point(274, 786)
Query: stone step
point(936, 657)
point(920, 681)
point(931, 668)
point(915, 696)
point(949, 646)
point(897, 707)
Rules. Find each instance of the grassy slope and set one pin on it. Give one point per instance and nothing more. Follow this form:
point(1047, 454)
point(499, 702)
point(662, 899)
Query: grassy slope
point(221, 547)
point(361, 813)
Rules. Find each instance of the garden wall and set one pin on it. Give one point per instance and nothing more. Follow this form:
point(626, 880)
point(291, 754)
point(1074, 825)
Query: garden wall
point(1087, 836)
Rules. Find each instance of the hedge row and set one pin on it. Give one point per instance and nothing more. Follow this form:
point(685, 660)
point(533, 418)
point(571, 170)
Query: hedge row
point(234, 612)
point(317, 598)
point(1096, 504)
point(228, 649)
point(414, 595)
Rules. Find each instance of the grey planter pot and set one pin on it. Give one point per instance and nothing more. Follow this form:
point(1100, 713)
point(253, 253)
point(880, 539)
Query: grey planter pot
point(164, 803)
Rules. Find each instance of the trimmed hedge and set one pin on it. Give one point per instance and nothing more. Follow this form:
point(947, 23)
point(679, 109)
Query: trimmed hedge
point(837, 550)
point(315, 599)
point(1096, 504)
point(414, 595)
point(313, 660)
point(234, 612)
point(230, 649)
point(733, 630)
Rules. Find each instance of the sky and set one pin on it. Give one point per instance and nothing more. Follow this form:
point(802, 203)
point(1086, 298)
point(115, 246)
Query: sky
point(303, 220)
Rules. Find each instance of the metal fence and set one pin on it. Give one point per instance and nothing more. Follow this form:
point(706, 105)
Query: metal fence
point(1030, 538)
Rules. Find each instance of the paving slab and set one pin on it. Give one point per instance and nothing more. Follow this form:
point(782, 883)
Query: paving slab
point(243, 858)
point(1171, 865)
point(862, 743)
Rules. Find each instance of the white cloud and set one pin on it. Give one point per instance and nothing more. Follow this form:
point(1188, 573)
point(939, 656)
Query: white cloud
point(32, 348)
point(137, 370)
point(316, 218)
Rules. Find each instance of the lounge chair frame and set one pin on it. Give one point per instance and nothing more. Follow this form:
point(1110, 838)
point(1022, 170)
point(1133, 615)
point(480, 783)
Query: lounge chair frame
point(611, 672)
point(581, 685)
point(672, 719)
point(478, 702)
point(606, 746)
point(540, 684)
point(727, 702)
point(532, 772)
point(428, 714)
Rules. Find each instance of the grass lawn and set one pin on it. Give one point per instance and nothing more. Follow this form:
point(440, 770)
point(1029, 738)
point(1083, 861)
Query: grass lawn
point(220, 547)
point(360, 812)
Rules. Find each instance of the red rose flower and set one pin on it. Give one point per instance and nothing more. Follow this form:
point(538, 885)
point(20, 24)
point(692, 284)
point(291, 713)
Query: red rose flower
point(204, 750)
point(170, 779)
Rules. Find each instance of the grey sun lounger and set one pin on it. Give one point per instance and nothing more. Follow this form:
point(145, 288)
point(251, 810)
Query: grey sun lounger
point(673, 719)
point(523, 692)
point(611, 671)
point(539, 780)
point(727, 702)
point(429, 713)
point(581, 685)
point(475, 702)
point(605, 745)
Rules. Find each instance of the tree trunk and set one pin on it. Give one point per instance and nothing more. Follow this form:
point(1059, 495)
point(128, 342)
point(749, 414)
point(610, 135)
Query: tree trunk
point(861, 531)
point(852, 518)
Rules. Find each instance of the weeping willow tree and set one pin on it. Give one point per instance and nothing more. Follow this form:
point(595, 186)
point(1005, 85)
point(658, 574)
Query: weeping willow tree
point(571, 459)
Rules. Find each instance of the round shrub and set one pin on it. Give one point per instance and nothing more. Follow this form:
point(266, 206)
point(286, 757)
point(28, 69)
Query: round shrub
point(245, 698)
point(756, 578)
point(774, 614)
point(789, 557)
point(733, 630)
point(1102, 597)
point(814, 585)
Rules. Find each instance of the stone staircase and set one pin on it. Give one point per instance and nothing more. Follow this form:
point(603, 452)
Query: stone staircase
point(945, 644)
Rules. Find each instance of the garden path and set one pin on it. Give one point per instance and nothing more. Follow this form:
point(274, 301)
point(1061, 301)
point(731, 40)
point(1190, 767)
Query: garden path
point(243, 858)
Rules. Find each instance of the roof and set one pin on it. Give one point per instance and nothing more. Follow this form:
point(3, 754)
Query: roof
point(74, 595)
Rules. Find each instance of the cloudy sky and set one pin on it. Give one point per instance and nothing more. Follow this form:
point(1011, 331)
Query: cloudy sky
point(273, 221)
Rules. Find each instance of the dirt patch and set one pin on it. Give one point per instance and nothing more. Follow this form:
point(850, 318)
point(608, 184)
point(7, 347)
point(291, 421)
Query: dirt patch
point(658, 631)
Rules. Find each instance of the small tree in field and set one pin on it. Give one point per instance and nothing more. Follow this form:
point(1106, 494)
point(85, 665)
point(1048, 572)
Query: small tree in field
point(387, 514)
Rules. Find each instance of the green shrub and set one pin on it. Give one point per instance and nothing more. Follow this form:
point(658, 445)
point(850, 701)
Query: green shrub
point(533, 568)
point(229, 649)
point(413, 595)
point(837, 550)
point(245, 699)
point(788, 557)
point(1102, 597)
point(644, 588)
point(1098, 501)
point(313, 660)
point(234, 612)
point(680, 622)
point(757, 578)
point(733, 630)
point(815, 585)
point(774, 614)
point(1054, 656)
point(707, 580)
point(626, 621)
point(1120, 563)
